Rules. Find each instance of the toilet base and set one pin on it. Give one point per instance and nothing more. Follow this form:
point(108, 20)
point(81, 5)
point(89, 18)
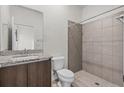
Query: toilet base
point(65, 84)
point(59, 84)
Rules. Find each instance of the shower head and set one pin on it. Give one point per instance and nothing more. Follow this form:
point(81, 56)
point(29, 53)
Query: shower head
point(121, 18)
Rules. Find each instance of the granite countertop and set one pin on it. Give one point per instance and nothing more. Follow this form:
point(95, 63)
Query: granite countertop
point(22, 59)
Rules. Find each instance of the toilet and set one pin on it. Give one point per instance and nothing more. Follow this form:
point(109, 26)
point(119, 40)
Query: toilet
point(65, 76)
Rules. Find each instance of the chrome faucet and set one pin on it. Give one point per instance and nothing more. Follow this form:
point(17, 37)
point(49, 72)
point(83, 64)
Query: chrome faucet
point(25, 51)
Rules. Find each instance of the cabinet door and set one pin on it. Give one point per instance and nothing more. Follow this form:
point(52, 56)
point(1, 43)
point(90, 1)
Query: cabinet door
point(39, 74)
point(13, 76)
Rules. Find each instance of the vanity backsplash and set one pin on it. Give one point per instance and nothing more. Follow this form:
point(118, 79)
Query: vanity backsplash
point(17, 52)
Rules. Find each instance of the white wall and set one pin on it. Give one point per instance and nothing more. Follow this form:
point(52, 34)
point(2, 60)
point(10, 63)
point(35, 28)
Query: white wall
point(56, 27)
point(4, 13)
point(93, 10)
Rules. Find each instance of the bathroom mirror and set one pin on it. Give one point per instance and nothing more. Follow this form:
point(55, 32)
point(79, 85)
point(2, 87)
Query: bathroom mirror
point(22, 28)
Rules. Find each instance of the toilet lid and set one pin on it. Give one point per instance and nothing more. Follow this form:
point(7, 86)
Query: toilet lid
point(66, 73)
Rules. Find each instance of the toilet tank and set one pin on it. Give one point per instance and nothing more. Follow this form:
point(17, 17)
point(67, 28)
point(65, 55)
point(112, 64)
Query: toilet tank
point(58, 63)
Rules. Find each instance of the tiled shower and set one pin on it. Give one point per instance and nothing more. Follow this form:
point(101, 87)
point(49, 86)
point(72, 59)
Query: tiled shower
point(102, 48)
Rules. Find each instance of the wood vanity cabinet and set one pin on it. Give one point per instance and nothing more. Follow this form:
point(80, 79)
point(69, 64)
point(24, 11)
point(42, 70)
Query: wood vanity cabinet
point(13, 76)
point(37, 74)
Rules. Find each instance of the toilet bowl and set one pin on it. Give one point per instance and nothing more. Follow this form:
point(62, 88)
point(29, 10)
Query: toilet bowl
point(65, 76)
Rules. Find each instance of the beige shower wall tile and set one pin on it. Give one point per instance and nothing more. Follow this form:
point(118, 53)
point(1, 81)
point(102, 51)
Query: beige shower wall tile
point(107, 48)
point(84, 38)
point(97, 24)
point(90, 57)
point(107, 61)
point(75, 57)
point(93, 67)
point(90, 47)
point(97, 35)
point(104, 51)
point(75, 46)
point(90, 35)
point(90, 67)
point(84, 66)
point(117, 32)
point(107, 22)
point(87, 35)
point(87, 26)
point(98, 70)
point(97, 47)
point(97, 59)
point(84, 56)
point(107, 34)
point(117, 48)
point(107, 74)
point(117, 64)
point(84, 47)
point(76, 38)
point(117, 78)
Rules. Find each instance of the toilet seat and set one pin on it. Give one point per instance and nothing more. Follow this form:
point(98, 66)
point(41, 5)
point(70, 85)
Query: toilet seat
point(65, 73)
